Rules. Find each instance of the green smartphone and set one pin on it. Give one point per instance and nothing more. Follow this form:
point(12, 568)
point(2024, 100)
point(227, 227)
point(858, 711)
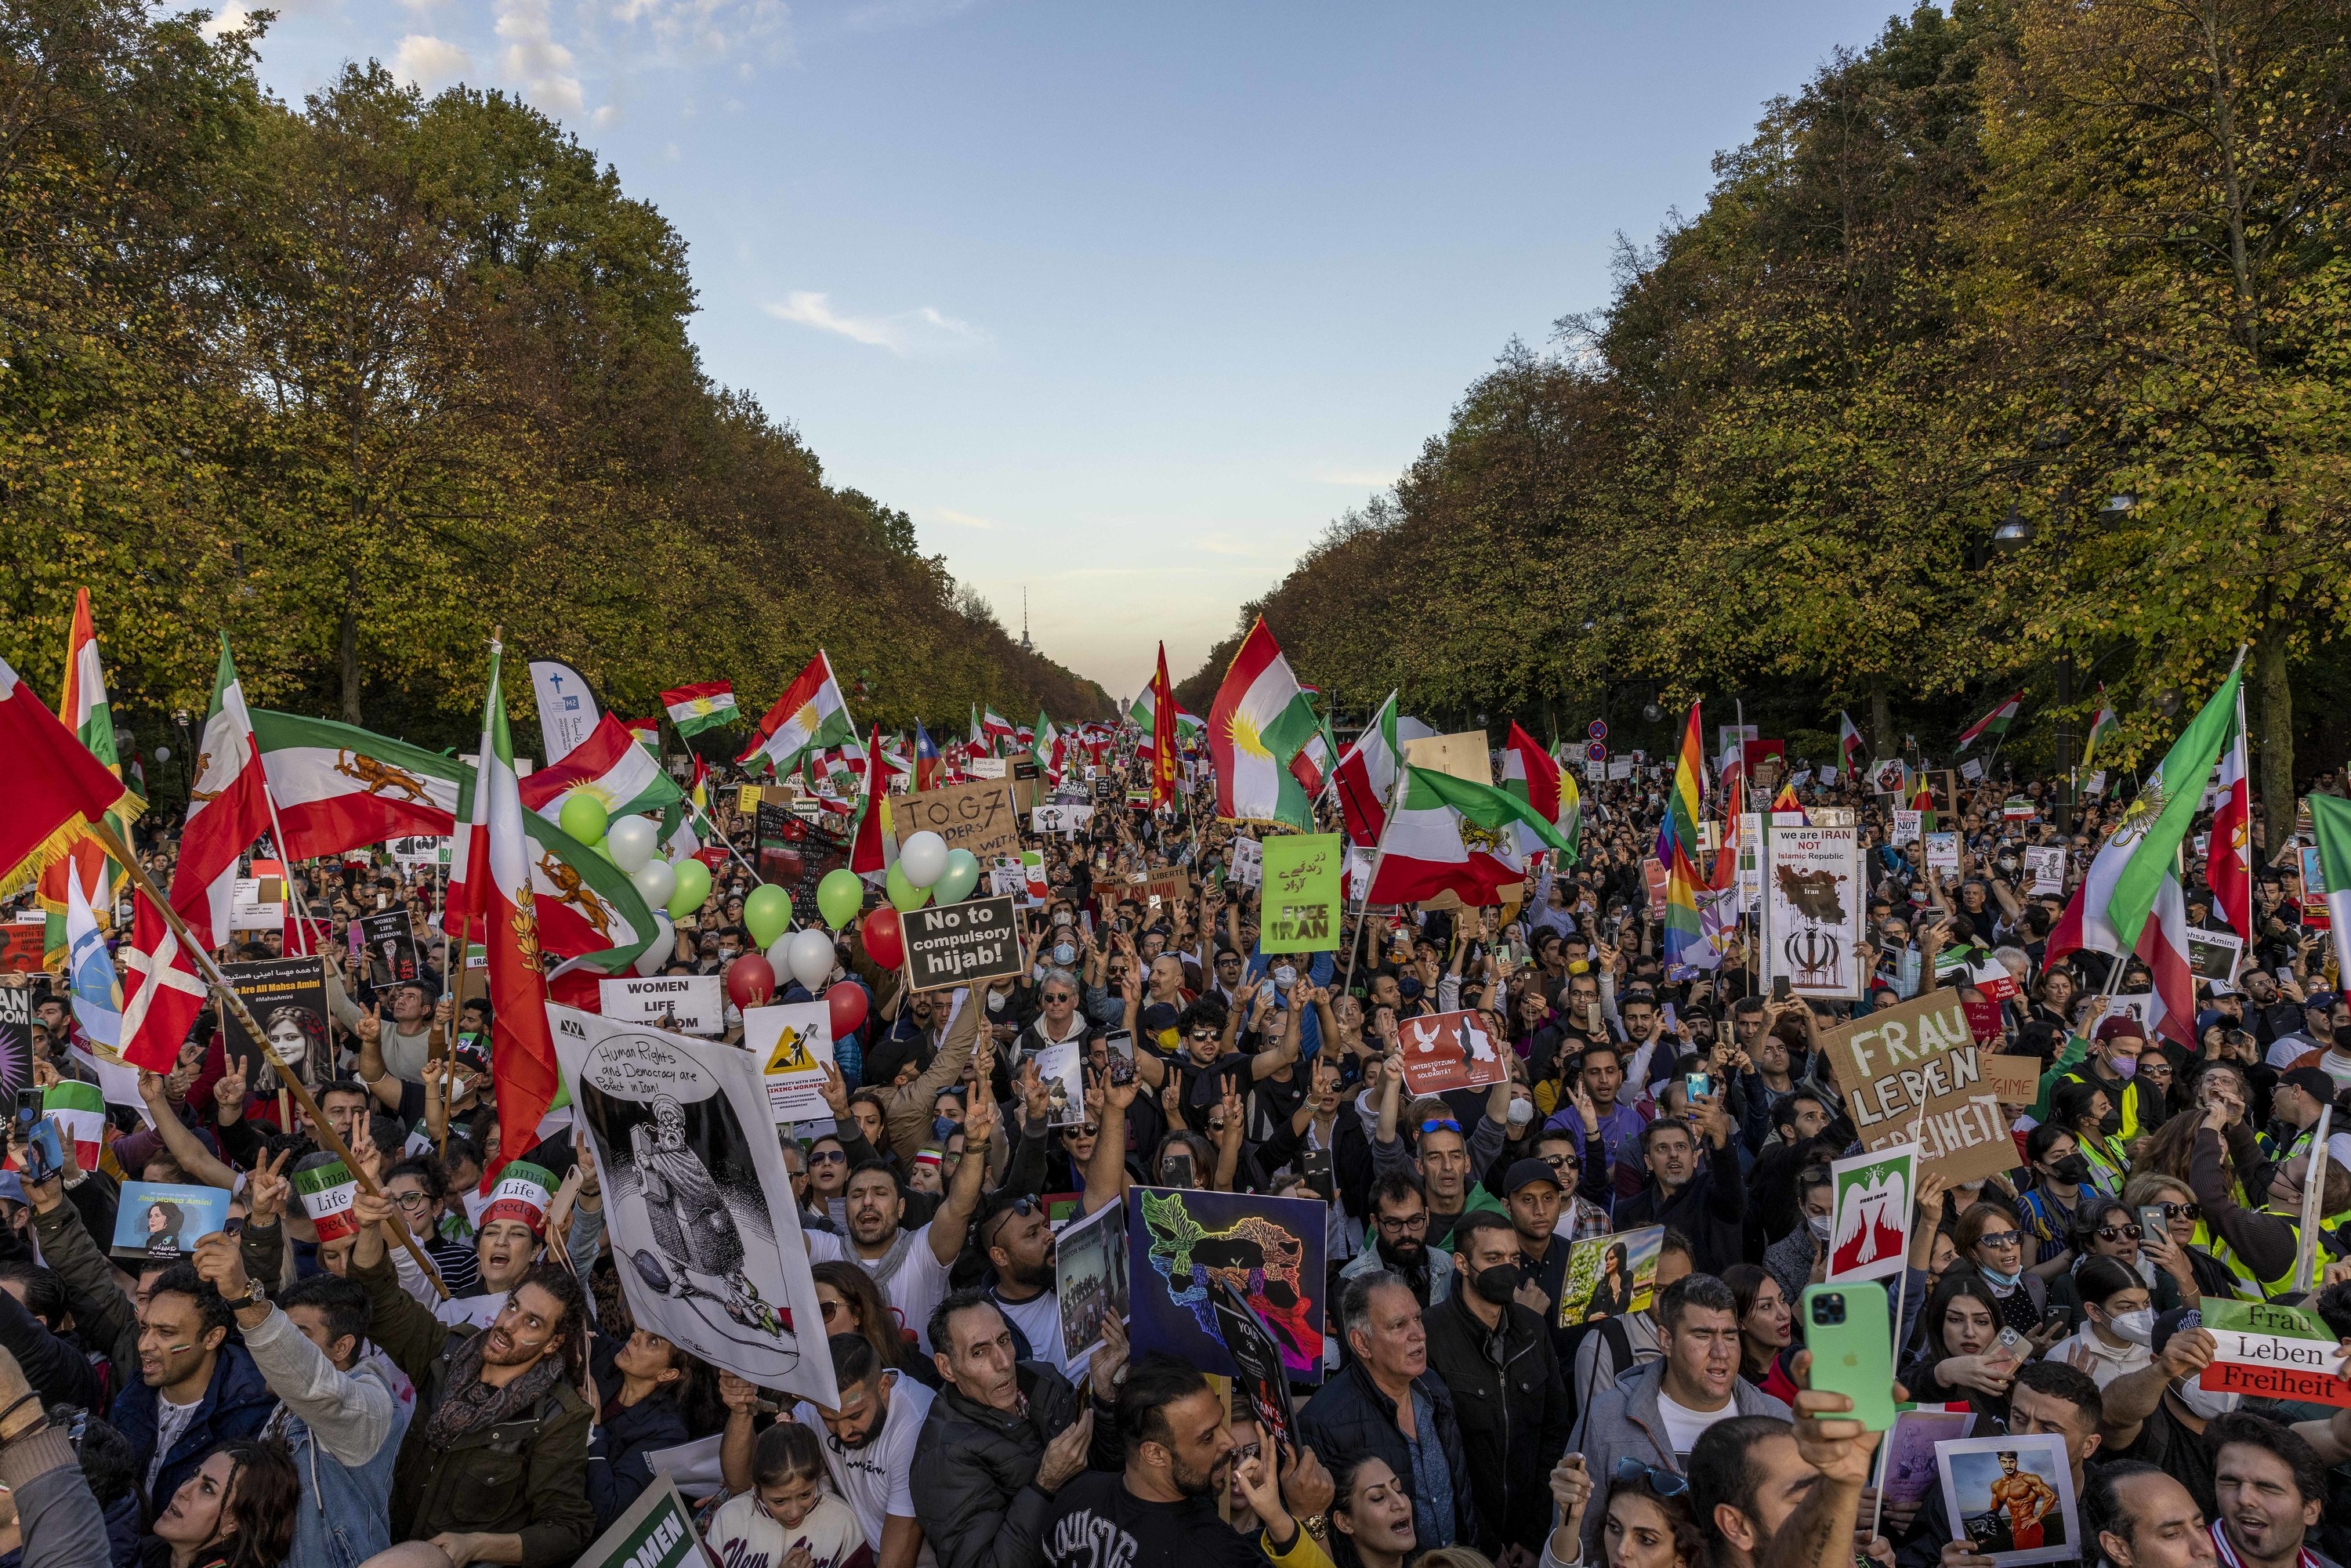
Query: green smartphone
point(1853, 1348)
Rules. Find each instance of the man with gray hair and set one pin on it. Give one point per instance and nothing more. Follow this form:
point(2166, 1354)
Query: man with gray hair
point(1058, 1023)
point(1386, 1402)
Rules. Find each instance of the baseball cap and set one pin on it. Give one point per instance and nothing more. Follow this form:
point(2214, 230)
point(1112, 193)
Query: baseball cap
point(1523, 1173)
point(2322, 1000)
point(2312, 1081)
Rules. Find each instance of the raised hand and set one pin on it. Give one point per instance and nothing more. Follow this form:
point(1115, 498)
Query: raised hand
point(267, 1190)
point(1065, 1456)
point(835, 1091)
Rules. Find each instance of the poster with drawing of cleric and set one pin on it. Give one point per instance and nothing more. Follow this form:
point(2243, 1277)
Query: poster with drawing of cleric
point(687, 1150)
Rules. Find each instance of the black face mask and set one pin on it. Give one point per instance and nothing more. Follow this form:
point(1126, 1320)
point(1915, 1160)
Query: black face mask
point(1498, 1284)
point(2072, 1170)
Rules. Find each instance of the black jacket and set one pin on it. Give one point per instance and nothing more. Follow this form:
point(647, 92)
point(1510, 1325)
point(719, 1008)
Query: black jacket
point(1512, 1409)
point(1711, 1210)
point(976, 1470)
point(1351, 1418)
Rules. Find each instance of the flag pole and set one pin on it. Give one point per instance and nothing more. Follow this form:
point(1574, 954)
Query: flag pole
point(325, 1131)
point(456, 1000)
point(1379, 853)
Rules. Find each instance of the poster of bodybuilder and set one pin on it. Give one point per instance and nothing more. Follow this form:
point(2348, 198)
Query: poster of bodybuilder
point(287, 998)
point(687, 1150)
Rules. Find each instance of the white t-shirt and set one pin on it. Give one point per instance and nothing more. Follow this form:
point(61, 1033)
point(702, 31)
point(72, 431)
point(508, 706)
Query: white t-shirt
point(743, 1536)
point(1684, 1426)
point(1040, 1318)
point(170, 1420)
point(875, 1479)
point(915, 1289)
point(471, 1312)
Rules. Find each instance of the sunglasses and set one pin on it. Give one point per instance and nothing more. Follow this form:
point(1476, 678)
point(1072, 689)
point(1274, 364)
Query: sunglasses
point(1665, 1483)
point(829, 1156)
point(2117, 1232)
point(1563, 1162)
point(1088, 1131)
point(1440, 1124)
point(831, 1309)
point(1059, 997)
point(2001, 1238)
point(1204, 1034)
point(2183, 1211)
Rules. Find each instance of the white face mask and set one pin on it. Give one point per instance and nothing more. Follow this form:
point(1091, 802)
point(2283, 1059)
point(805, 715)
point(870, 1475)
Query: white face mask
point(1820, 1225)
point(995, 1000)
point(2210, 1403)
point(2138, 1327)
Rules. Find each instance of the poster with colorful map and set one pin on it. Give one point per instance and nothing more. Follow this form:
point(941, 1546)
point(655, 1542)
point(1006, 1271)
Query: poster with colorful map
point(1269, 1250)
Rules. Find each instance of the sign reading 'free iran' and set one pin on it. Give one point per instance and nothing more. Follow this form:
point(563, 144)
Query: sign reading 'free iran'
point(1918, 1059)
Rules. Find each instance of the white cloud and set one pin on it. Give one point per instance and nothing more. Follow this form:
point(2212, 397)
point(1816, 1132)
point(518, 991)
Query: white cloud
point(429, 64)
point(230, 18)
point(711, 30)
point(921, 331)
point(881, 16)
point(610, 114)
point(960, 519)
point(1354, 479)
point(546, 72)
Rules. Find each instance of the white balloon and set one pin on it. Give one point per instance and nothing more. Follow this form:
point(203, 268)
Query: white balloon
point(657, 951)
point(630, 841)
point(654, 880)
point(923, 859)
point(809, 955)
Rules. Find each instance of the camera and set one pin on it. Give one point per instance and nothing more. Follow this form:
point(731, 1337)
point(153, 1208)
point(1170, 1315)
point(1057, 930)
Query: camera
point(1828, 1310)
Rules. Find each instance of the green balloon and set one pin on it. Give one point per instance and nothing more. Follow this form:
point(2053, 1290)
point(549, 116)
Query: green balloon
point(904, 896)
point(767, 913)
point(583, 817)
point(692, 887)
point(956, 882)
point(839, 897)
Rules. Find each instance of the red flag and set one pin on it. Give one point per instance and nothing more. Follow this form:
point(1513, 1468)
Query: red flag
point(53, 789)
point(1163, 736)
point(872, 850)
point(162, 993)
point(2228, 868)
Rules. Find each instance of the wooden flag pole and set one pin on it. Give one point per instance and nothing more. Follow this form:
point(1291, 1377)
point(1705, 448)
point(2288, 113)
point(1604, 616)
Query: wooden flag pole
point(449, 1041)
point(328, 1135)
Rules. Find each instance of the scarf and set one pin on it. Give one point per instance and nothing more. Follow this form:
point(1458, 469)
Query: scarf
point(882, 1269)
point(468, 1404)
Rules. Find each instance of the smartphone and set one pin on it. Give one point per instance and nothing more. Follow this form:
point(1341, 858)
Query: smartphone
point(1316, 1163)
point(1781, 989)
point(1697, 1086)
point(44, 1156)
point(1175, 1169)
point(2151, 1221)
point(28, 1111)
point(1852, 1348)
point(2056, 1317)
point(2009, 1343)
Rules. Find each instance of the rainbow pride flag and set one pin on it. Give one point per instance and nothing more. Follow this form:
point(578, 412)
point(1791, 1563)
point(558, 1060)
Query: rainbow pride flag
point(1677, 851)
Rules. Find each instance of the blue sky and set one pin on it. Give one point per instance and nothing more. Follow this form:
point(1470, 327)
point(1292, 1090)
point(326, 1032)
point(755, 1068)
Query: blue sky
point(1121, 303)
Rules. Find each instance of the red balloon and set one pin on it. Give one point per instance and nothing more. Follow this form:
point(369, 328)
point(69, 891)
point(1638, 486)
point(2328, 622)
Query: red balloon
point(886, 940)
point(847, 1001)
point(750, 980)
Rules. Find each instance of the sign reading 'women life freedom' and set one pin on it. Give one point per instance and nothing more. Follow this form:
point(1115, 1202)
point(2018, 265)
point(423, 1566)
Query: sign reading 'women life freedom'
point(1918, 1061)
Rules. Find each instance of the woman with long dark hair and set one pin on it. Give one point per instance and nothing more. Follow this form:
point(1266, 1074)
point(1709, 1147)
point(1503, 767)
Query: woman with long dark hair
point(1613, 1294)
point(1767, 1324)
point(655, 1395)
point(853, 1303)
point(236, 1511)
point(1963, 1358)
point(1371, 1516)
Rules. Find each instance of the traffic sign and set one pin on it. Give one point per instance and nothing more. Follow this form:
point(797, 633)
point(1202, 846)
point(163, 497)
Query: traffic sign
point(1595, 751)
point(1597, 729)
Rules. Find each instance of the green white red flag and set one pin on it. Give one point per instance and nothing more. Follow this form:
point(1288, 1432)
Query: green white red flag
point(1450, 834)
point(228, 809)
point(2330, 822)
point(79, 1111)
point(1367, 776)
point(1850, 749)
point(1995, 723)
point(707, 704)
point(1260, 722)
point(810, 716)
point(2103, 725)
point(1530, 773)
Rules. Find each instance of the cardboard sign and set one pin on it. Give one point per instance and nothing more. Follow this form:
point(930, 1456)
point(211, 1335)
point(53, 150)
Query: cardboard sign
point(793, 1041)
point(257, 903)
point(962, 944)
point(976, 817)
point(1301, 892)
point(1448, 1051)
point(657, 1532)
point(1813, 911)
point(747, 798)
point(1464, 755)
point(1249, 863)
point(1869, 1237)
point(2045, 868)
point(695, 1003)
point(1164, 886)
point(2011, 1080)
point(1917, 1063)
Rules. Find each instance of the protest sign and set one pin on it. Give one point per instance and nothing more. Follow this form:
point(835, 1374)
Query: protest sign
point(2313, 887)
point(2265, 1318)
point(2012, 1497)
point(1608, 1276)
point(1008, 878)
point(164, 1220)
point(792, 1042)
point(1248, 861)
point(1260, 1376)
point(1448, 1051)
point(1062, 1068)
point(287, 998)
point(976, 817)
point(1943, 854)
point(1813, 911)
point(2045, 868)
point(695, 1003)
point(686, 1145)
point(2275, 1381)
point(390, 937)
point(257, 904)
point(2131, 1005)
point(326, 1188)
point(962, 944)
point(1066, 820)
point(1869, 1233)
point(1270, 1250)
point(1463, 754)
point(1918, 1062)
point(1906, 827)
point(1889, 777)
point(985, 767)
point(2214, 955)
point(15, 1041)
point(1156, 890)
point(655, 1532)
point(409, 853)
point(21, 943)
point(1973, 770)
point(747, 798)
point(1090, 1282)
point(2011, 1080)
point(1653, 878)
point(1909, 1466)
point(1301, 896)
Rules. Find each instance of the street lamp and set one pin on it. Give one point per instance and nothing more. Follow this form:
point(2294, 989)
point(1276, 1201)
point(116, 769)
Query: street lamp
point(2013, 533)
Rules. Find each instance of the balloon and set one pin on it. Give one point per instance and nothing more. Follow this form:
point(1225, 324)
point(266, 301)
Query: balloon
point(657, 951)
point(956, 882)
point(768, 914)
point(692, 887)
point(811, 958)
point(923, 858)
point(904, 894)
point(631, 840)
point(656, 881)
point(885, 941)
point(583, 817)
point(848, 1004)
point(839, 896)
point(750, 980)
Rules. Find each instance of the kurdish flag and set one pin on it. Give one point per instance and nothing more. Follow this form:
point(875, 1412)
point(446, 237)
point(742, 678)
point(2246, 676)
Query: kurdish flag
point(2103, 725)
point(808, 717)
point(705, 705)
point(612, 768)
point(1450, 834)
point(2330, 821)
point(1258, 725)
point(1367, 776)
point(1685, 940)
point(1528, 772)
point(1995, 723)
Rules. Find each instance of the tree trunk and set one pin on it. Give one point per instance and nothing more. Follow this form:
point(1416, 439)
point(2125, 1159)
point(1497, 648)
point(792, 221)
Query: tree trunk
point(2273, 702)
point(350, 646)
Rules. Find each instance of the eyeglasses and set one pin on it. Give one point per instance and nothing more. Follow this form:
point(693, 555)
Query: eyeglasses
point(1391, 1225)
point(829, 1156)
point(1665, 1483)
point(2001, 1238)
point(831, 1309)
point(1243, 1452)
point(2116, 1233)
point(1440, 1125)
point(411, 1199)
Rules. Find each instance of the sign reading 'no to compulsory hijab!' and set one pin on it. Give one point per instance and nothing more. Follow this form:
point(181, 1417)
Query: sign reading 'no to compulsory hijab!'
point(962, 944)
